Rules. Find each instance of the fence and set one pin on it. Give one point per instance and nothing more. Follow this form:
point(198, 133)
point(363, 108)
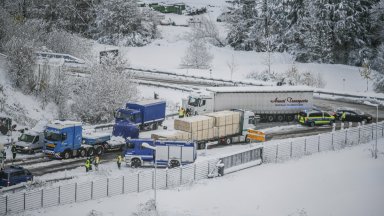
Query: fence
point(273, 151)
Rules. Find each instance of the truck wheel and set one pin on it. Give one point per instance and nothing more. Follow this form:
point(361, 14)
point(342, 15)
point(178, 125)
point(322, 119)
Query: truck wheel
point(312, 124)
point(280, 118)
point(82, 153)
point(201, 145)
point(174, 163)
point(227, 141)
point(91, 151)
point(290, 118)
point(247, 140)
point(99, 150)
point(135, 163)
point(154, 126)
point(270, 118)
point(66, 155)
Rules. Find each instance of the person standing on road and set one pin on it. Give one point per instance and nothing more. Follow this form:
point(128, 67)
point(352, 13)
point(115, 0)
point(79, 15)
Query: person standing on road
point(96, 162)
point(119, 159)
point(343, 116)
point(13, 150)
point(181, 112)
point(87, 164)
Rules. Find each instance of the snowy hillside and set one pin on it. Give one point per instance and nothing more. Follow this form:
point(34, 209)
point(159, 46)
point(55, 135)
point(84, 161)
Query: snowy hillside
point(25, 110)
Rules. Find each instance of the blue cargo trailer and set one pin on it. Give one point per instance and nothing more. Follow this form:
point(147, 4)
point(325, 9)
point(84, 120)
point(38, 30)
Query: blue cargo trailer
point(146, 114)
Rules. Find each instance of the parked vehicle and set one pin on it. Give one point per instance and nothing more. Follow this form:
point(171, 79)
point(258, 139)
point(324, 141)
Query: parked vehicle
point(14, 175)
point(147, 115)
point(65, 139)
point(224, 127)
point(315, 117)
point(164, 152)
point(269, 103)
point(30, 142)
point(352, 115)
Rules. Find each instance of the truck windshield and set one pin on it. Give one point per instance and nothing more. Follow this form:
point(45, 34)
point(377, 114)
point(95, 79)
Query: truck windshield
point(26, 138)
point(121, 115)
point(194, 101)
point(51, 136)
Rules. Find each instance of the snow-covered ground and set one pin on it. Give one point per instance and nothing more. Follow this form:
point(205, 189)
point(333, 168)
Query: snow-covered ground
point(347, 182)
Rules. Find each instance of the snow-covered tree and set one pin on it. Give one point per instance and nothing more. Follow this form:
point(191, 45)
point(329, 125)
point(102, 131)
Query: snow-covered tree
point(108, 88)
point(232, 65)
point(378, 65)
point(197, 55)
point(21, 60)
point(121, 22)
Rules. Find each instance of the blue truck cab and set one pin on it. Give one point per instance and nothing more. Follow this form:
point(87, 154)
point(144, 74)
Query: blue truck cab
point(65, 139)
point(146, 114)
point(165, 153)
point(62, 139)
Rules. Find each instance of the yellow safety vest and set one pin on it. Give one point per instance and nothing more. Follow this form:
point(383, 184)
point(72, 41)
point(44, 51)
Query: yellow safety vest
point(87, 163)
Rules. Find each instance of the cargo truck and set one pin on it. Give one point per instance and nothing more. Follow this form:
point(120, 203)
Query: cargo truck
point(269, 103)
point(147, 115)
point(166, 153)
point(65, 139)
point(224, 127)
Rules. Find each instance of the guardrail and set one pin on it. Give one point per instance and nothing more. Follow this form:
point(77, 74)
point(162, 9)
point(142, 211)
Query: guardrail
point(346, 95)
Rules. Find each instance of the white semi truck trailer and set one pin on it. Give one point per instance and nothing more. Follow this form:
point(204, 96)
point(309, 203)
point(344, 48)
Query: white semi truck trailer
point(269, 103)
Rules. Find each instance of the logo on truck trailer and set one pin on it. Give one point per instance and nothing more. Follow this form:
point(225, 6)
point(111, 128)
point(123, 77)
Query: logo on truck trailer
point(290, 100)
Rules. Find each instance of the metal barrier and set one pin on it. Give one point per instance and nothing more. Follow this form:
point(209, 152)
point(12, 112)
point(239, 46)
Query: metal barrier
point(272, 151)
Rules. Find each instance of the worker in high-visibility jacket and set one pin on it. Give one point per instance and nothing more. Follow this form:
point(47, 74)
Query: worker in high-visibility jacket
point(96, 162)
point(181, 112)
point(119, 160)
point(87, 164)
point(343, 116)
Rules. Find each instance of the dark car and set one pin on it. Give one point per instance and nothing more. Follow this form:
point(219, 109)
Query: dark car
point(14, 175)
point(352, 115)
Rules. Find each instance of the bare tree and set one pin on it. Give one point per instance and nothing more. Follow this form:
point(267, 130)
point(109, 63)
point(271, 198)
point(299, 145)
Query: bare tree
point(108, 88)
point(204, 28)
point(366, 71)
point(232, 65)
point(197, 56)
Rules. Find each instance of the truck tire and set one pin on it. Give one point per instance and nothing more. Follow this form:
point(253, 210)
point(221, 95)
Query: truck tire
point(201, 146)
point(290, 118)
point(270, 118)
point(280, 118)
point(227, 141)
point(154, 126)
point(247, 140)
point(66, 154)
point(174, 163)
point(91, 152)
point(312, 124)
point(82, 153)
point(99, 150)
point(135, 163)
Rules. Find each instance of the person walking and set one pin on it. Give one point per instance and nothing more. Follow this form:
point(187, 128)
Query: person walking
point(96, 162)
point(119, 159)
point(87, 164)
point(13, 150)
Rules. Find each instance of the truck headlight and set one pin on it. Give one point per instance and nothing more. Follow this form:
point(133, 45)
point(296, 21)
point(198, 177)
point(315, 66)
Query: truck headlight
point(26, 147)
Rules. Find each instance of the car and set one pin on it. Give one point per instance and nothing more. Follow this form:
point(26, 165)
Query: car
point(315, 117)
point(353, 115)
point(14, 175)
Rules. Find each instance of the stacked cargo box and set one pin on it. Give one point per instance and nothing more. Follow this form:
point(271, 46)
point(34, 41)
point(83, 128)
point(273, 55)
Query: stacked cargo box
point(227, 123)
point(200, 127)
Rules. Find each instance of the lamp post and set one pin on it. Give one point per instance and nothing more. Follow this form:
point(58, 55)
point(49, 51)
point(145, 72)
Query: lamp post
point(146, 145)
